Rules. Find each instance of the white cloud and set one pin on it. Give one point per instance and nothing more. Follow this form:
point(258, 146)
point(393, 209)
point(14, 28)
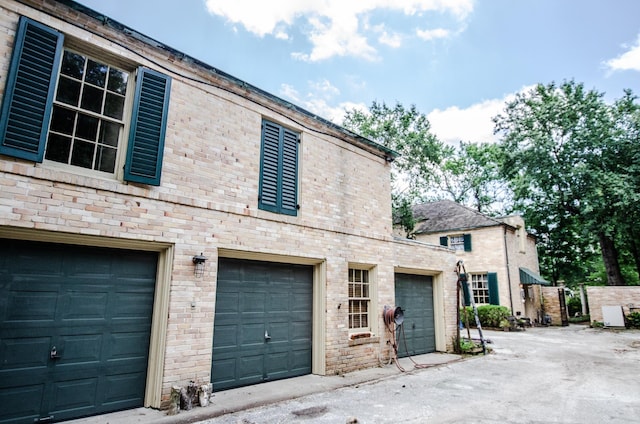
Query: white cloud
point(432, 34)
point(628, 61)
point(318, 100)
point(334, 27)
point(472, 124)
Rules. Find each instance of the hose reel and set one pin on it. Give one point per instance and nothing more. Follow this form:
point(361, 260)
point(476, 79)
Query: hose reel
point(393, 315)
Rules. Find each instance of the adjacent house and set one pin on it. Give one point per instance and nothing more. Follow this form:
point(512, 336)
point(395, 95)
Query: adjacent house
point(163, 222)
point(498, 254)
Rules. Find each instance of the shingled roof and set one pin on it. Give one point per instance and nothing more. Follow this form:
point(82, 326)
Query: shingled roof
point(447, 215)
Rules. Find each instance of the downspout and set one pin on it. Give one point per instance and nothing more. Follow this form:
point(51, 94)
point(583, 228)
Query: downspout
point(506, 255)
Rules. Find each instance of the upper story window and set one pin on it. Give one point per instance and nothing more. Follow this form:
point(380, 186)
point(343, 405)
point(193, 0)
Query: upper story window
point(68, 107)
point(88, 113)
point(279, 169)
point(460, 242)
point(359, 299)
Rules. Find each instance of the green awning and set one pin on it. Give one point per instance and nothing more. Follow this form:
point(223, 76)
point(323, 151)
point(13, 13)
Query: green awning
point(529, 277)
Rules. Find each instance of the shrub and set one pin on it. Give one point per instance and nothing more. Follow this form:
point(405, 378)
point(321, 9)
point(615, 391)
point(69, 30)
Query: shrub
point(633, 320)
point(489, 315)
point(574, 305)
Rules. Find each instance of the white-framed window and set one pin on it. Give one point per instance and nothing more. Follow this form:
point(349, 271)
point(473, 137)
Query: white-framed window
point(456, 242)
point(359, 299)
point(62, 105)
point(480, 288)
point(87, 119)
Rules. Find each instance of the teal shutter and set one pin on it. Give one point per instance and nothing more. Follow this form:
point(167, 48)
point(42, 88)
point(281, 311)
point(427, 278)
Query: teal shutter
point(494, 295)
point(148, 127)
point(278, 190)
point(29, 90)
point(444, 241)
point(289, 172)
point(465, 289)
point(467, 242)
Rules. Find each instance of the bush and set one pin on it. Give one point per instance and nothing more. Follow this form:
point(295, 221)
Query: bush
point(574, 305)
point(489, 315)
point(633, 320)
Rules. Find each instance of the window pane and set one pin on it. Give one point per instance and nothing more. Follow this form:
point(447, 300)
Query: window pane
point(87, 127)
point(62, 120)
point(114, 106)
point(58, 148)
point(82, 154)
point(117, 81)
point(106, 159)
point(92, 99)
point(96, 73)
point(109, 133)
point(68, 91)
point(73, 65)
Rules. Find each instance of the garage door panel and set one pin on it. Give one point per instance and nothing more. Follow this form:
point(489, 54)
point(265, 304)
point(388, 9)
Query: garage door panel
point(132, 305)
point(74, 394)
point(23, 353)
point(29, 305)
point(21, 410)
point(122, 388)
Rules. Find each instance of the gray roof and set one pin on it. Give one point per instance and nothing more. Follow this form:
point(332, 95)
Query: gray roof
point(447, 215)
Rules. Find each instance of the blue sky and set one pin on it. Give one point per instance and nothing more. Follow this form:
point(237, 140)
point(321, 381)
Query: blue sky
point(458, 61)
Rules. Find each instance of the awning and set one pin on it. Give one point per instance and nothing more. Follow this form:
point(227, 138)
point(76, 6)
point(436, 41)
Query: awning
point(529, 277)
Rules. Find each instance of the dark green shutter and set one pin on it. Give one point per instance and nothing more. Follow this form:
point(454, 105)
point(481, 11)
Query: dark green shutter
point(148, 127)
point(289, 172)
point(467, 242)
point(444, 241)
point(494, 295)
point(269, 169)
point(465, 289)
point(29, 90)
point(278, 170)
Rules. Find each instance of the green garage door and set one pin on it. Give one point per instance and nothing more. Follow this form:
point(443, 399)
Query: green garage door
point(74, 330)
point(414, 294)
point(262, 329)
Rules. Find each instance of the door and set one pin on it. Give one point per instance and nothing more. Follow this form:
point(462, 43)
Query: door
point(414, 294)
point(75, 323)
point(262, 328)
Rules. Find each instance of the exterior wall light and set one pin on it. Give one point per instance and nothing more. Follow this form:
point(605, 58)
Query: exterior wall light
point(199, 262)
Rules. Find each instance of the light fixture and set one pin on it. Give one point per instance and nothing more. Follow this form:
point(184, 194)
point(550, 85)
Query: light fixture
point(199, 261)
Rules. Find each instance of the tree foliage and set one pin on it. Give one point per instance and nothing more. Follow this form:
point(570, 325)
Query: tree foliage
point(408, 132)
point(570, 159)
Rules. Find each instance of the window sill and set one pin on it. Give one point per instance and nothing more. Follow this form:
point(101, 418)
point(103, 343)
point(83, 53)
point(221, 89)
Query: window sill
point(357, 339)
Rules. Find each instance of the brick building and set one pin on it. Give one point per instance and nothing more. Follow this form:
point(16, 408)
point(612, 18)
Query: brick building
point(123, 163)
point(499, 255)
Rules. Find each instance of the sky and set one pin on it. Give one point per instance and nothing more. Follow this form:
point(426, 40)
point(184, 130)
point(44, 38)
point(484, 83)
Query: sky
point(457, 61)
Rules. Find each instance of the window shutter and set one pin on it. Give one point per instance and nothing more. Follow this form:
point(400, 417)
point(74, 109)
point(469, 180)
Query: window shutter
point(494, 295)
point(444, 241)
point(148, 127)
point(290, 173)
point(467, 242)
point(465, 289)
point(278, 190)
point(269, 167)
point(29, 91)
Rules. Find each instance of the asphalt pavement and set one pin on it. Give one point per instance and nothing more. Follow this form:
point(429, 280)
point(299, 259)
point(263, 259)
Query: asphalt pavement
point(569, 374)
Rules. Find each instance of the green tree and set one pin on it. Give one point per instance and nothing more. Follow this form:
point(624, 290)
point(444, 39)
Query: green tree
point(561, 148)
point(408, 132)
point(470, 175)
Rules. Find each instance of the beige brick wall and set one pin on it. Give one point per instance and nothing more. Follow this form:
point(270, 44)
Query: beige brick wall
point(207, 203)
point(599, 296)
point(488, 255)
point(552, 308)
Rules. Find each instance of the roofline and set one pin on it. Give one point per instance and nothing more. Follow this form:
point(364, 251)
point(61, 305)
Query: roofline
point(389, 154)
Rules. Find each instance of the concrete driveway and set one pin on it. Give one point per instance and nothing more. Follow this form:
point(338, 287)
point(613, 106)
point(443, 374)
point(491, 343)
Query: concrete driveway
point(569, 374)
